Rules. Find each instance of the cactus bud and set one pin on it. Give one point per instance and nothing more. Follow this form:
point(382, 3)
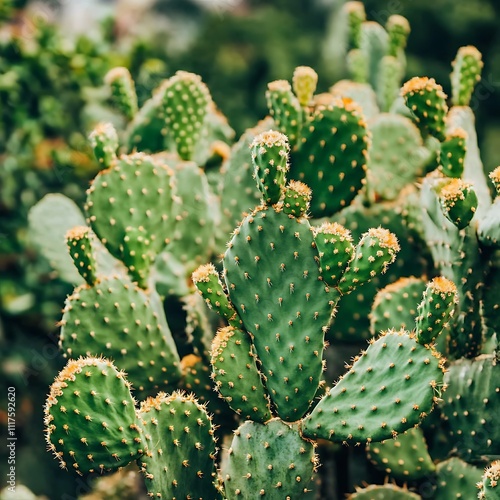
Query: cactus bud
point(334, 244)
point(356, 16)
point(458, 201)
point(297, 199)
point(452, 154)
point(436, 309)
point(270, 160)
point(375, 251)
point(398, 28)
point(466, 74)
point(495, 178)
point(104, 142)
point(304, 84)
point(427, 101)
point(207, 281)
point(123, 91)
point(79, 242)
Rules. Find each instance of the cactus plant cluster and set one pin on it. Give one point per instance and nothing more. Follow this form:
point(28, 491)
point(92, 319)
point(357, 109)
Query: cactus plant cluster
point(333, 243)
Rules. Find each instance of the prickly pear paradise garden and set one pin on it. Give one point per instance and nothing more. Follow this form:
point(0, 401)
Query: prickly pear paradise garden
point(309, 311)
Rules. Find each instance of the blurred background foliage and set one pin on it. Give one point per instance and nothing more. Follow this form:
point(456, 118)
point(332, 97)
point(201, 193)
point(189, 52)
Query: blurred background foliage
point(53, 57)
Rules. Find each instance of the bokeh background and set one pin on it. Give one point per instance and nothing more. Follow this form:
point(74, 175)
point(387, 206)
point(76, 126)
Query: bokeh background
point(53, 57)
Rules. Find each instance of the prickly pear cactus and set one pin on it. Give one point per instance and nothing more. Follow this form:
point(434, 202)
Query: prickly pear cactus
point(270, 460)
point(90, 419)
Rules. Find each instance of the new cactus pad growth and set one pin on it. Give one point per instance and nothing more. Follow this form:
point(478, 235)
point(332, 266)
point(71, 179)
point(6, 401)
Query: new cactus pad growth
point(285, 109)
point(466, 73)
point(79, 241)
point(452, 153)
point(123, 91)
point(436, 309)
point(236, 375)
point(104, 141)
point(336, 250)
point(304, 81)
point(185, 100)
point(427, 101)
point(90, 419)
point(458, 201)
point(270, 159)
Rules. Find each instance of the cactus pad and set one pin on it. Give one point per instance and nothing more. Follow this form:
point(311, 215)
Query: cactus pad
point(179, 459)
point(90, 419)
point(268, 460)
point(282, 302)
point(116, 319)
point(332, 156)
point(390, 387)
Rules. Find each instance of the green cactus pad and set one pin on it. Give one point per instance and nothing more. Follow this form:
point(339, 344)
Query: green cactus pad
point(397, 155)
point(273, 280)
point(285, 109)
point(395, 306)
point(90, 419)
point(137, 254)
point(356, 15)
point(458, 201)
point(136, 192)
point(374, 253)
point(405, 457)
point(207, 281)
point(270, 160)
point(466, 73)
point(117, 320)
point(79, 242)
point(383, 492)
point(268, 461)
point(104, 141)
point(186, 101)
point(427, 102)
point(336, 250)
point(123, 91)
point(304, 84)
point(489, 486)
point(390, 388)
point(179, 459)
point(452, 154)
point(456, 479)
point(297, 199)
point(332, 156)
point(439, 301)
point(236, 376)
point(398, 29)
point(471, 406)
